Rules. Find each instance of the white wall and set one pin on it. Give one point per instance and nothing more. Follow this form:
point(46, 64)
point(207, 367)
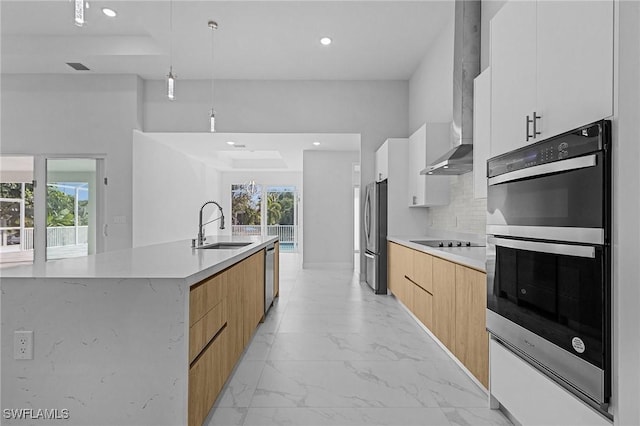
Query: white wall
point(626, 210)
point(168, 190)
point(376, 110)
point(69, 114)
point(328, 208)
point(431, 85)
point(488, 9)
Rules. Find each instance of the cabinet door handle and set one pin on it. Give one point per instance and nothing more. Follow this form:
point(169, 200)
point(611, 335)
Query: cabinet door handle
point(536, 117)
point(529, 121)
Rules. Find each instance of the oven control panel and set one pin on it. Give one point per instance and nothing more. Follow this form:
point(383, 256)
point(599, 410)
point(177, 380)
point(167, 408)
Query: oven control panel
point(578, 142)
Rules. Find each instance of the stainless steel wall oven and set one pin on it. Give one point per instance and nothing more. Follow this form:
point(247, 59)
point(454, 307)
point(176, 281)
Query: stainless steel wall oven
point(549, 258)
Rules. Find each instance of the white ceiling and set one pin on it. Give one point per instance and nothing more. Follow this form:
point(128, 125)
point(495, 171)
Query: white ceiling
point(255, 40)
point(261, 151)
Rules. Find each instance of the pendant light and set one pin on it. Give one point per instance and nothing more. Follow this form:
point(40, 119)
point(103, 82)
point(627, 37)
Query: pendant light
point(80, 5)
point(171, 78)
point(213, 25)
point(251, 187)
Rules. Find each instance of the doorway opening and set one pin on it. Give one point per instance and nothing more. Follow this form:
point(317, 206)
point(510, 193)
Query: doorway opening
point(258, 209)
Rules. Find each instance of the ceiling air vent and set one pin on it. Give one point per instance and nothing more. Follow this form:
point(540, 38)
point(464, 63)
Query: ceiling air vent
point(239, 145)
point(78, 66)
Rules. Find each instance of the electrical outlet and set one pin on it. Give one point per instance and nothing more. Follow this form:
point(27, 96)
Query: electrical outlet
point(23, 345)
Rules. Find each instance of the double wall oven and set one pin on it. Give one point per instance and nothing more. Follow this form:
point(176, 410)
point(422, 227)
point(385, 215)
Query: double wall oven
point(549, 258)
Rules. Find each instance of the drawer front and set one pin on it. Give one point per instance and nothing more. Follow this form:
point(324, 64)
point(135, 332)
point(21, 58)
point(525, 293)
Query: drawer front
point(206, 378)
point(204, 296)
point(423, 306)
point(205, 328)
point(422, 270)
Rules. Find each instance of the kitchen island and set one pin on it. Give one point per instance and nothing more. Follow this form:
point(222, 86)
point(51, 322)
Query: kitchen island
point(144, 336)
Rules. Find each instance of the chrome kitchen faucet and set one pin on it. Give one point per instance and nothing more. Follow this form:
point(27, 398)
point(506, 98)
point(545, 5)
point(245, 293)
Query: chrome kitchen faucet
point(201, 225)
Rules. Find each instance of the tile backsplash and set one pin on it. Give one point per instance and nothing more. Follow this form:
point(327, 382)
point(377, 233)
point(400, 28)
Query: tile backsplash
point(464, 213)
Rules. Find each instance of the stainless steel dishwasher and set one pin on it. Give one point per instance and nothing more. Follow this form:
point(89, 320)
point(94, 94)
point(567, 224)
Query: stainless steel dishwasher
point(268, 276)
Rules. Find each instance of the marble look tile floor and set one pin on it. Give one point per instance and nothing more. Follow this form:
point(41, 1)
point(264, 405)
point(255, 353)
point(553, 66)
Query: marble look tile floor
point(331, 352)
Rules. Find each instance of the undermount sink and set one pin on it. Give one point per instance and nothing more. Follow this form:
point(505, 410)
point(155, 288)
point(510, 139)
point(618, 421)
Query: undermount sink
point(229, 245)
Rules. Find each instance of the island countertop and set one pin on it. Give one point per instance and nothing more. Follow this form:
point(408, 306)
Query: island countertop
point(174, 260)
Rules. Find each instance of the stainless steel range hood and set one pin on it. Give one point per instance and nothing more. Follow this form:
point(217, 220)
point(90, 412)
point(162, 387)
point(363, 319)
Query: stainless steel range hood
point(466, 67)
point(455, 162)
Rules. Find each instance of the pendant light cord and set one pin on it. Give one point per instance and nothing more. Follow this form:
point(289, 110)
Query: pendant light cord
point(170, 33)
point(213, 27)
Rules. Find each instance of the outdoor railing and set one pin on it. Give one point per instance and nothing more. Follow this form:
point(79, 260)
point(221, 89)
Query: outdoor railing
point(286, 233)
point(57, 236)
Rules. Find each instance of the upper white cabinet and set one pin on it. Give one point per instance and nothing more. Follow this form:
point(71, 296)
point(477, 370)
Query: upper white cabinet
point(513, 74)
point(382, 162)
point(426, 145)
point(575, 76)
point(551, 69)
point(481, 131)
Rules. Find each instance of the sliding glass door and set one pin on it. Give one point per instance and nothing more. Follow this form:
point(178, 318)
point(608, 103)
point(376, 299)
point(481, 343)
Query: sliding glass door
point(16, 210)
point(71, 207)
point(50, 208)
point(266, 210)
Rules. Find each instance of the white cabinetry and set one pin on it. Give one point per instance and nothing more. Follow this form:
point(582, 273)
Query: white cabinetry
point(426, 145)
point(513, 74)
point(481, 131)
point(551, 69)
point(393, 157)
point(382, 162)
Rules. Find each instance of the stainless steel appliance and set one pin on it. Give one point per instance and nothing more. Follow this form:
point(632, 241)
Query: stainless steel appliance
point(268, 276)
point(375, 233)
point(549, 258)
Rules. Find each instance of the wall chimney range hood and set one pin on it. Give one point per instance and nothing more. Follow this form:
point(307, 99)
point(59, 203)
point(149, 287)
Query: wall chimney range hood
point(466, 67)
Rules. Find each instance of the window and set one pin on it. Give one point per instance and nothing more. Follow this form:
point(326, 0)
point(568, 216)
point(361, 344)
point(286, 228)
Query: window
point(265, 210)
point(16, 210)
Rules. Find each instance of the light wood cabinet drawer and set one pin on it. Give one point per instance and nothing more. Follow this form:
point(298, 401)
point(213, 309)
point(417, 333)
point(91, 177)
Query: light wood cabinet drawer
point(471, 337)
point(206, 378)
point(205, 328)
point(423, 306)
point(444, 302)
point(422, 270)
point(204, 296)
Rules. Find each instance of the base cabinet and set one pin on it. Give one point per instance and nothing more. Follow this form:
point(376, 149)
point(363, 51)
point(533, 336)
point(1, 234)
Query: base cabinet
point(206, 378)
point(224, 311)
point(423, 306)
point(449, 299)
point(444, 302)
point(471, 337)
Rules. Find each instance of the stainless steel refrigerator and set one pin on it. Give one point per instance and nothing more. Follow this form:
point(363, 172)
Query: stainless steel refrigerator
point(375, 232)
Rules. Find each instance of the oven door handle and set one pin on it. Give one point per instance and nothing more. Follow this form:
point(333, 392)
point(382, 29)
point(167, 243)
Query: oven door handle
point(545, 169)
point(552, 248)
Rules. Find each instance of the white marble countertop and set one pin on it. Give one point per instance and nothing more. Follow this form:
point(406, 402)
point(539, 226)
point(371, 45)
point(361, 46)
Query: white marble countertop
point(175, 260)
point(473, 257)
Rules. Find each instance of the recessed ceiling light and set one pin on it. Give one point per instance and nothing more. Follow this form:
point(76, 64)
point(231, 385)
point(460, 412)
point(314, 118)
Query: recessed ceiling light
point(109, 12)
point(325, 41)
point(230, 143)
point(316, 143)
